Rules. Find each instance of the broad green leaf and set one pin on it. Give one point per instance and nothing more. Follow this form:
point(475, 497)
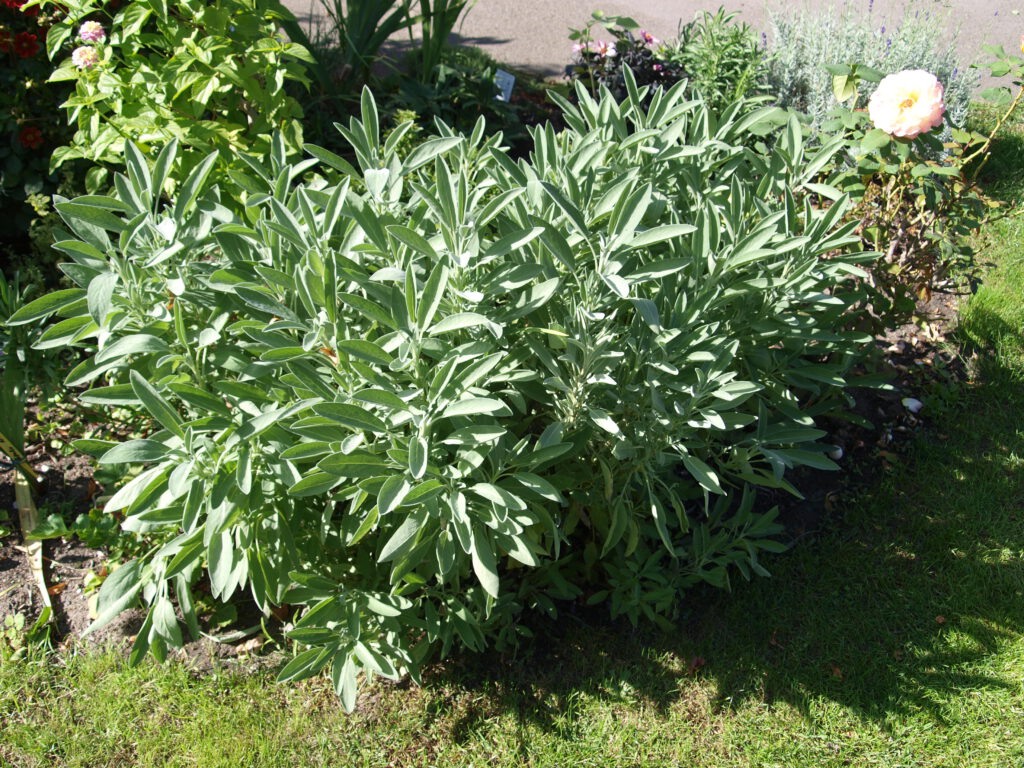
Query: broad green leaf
point(365, 350)
point(46, 305)
point(356, 464)
point(702, 473)
point(433, 293)
point(418, 455)
point(154, 402)
point(484, 564)
point(401, 539)
point(117, 593)
point(314, 484)
point(474, 406)
point(135, 451)
point(462, 320)
point(659, 234)
point(392, 493)
point(351, 416)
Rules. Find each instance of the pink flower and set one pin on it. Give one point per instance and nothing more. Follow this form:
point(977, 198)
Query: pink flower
point(84, 57)
point(92, 32)
point(648, 38)
point(603, 49)
point(580, 47)
point(907, 104)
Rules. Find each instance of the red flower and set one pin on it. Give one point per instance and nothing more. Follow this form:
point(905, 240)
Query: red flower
point(30, 137)
point(26, 45)
point(16, 5)
point(5, 40)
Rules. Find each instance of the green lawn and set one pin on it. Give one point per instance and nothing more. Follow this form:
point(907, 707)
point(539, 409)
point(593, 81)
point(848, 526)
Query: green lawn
point(895, 638)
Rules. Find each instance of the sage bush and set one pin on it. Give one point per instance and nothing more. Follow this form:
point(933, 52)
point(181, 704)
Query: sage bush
point(404, 402)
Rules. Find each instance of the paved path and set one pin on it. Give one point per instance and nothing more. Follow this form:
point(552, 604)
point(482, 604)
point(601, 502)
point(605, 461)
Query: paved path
point(533, 34)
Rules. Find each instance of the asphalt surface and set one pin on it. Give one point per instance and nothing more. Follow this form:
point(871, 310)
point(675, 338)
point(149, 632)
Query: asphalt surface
point(533, 34)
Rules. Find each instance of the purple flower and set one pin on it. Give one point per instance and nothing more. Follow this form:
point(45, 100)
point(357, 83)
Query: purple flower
point(92, 32)
point(84, 57)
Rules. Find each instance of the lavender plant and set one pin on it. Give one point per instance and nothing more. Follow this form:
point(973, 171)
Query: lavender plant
point(805, 43)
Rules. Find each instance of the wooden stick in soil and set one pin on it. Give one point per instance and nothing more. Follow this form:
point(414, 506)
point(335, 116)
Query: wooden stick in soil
point(28, 518)
point(21, 466)
point(28, 515)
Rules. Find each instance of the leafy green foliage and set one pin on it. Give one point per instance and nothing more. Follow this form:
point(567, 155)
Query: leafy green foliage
point(22, 364)
point(29, 114)
point(358, 30)
point(437, 20)
point(211, 76)
point(718, 57)
point(19, 641)
point(424, 394)
point(463, 89)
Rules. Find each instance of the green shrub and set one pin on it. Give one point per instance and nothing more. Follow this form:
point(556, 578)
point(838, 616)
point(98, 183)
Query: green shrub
point(212, 76)
point(805, 42)
point(463, 89)
point(432, 393)
point(720, 59)
point(355, 35)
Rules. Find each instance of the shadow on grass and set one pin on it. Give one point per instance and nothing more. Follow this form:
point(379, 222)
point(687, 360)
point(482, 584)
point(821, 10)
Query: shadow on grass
point(1001, 174)
point(897, 610)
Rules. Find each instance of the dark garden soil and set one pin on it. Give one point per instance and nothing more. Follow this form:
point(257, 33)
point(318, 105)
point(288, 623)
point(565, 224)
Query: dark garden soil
point(68, 486)
point(922, 365)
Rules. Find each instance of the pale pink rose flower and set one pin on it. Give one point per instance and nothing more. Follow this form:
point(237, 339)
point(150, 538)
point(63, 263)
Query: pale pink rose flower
point(601, 48)
point(84, 57)
point(907, 104)
point(648, 38)
point(92, 32)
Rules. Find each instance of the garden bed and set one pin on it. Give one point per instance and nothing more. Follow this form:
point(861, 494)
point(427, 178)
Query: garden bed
point(432, 389)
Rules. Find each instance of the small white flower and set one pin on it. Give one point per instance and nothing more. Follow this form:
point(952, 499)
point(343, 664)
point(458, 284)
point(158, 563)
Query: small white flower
point(912, 404)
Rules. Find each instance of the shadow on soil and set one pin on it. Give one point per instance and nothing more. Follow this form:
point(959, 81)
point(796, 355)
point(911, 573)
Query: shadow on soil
point(892, 611)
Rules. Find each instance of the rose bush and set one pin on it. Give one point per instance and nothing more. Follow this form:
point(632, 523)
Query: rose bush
point(914, 197)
